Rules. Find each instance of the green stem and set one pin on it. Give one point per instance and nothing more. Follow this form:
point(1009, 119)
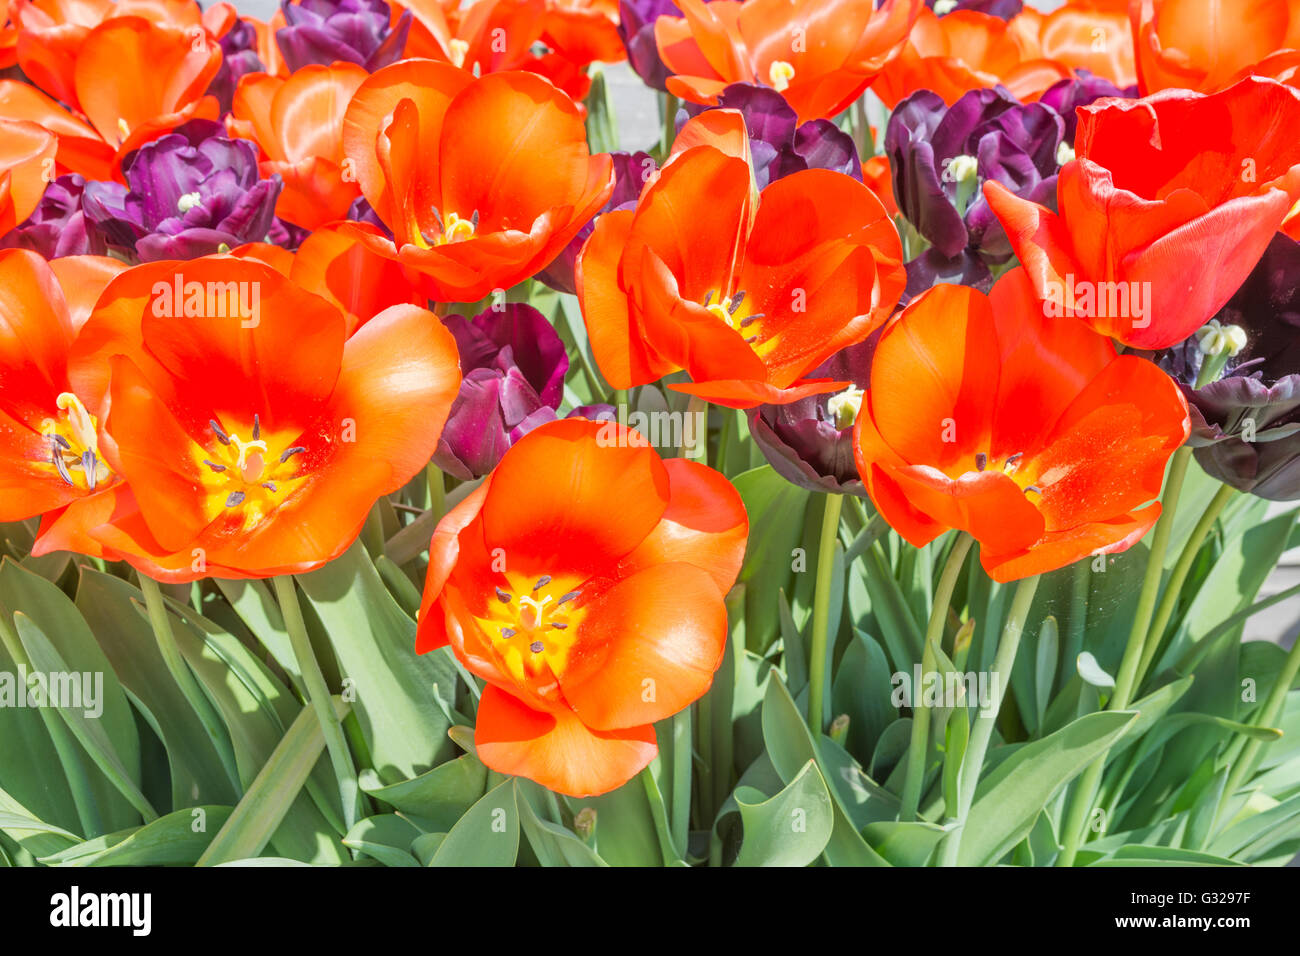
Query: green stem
point(986, 718)
point(1268, 715)
point(1081, 799)
point(695, 441)
point(185, 679)
point(318, 696)
point(669, 105)
point(919, 744)
point(681, 799)
point(437, 490)
point(659, 816)
point(821, 613)
point(1174, 586)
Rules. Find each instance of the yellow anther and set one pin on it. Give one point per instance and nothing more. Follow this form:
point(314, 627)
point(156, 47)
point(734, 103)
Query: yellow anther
point(458, 49)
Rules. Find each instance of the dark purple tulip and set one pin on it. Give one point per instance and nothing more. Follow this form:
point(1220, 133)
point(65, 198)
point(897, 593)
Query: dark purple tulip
point(778, 144)
point(188, 194)
point(513, 364)
point(1246, 424)
point(356, 31)
point(1006, 9)
point(58, 225)
point(941, 157)
point(631, 170)
point(1065, 96)
point(932, 268)
point(636, 27)
point(238, 58)
point(810, 442)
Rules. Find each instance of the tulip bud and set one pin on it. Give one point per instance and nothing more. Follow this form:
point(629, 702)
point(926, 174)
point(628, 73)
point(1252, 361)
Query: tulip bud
point(584, 825)
point(840, 729)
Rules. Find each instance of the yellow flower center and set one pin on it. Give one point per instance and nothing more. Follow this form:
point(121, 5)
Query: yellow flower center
point(734, 312)
point(74, 444)
point(531, 626)
point(243, 476)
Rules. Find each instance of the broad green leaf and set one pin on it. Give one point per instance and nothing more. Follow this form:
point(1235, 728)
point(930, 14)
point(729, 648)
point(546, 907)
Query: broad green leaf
point(904, 844)
point(487, 835)
point(387, 837)
point(1010, 798)
point(442, 794)
point(177, 839)
point(404, 728)
point(789, 829)
point(776, 524)
point(553, 844)
point(269, 798)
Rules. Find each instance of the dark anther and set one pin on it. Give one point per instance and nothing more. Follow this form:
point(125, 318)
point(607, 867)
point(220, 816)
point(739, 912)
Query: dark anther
point(89, 465)
point(437, 217)
point(269, 486)
point(1012, 459)
point(214, 466)
point(507, 632)
point(751, 340)
point(503, 596)
point(60, 441)
point(290, 452)
point(567, 597)
point(751, 318)
point(236, 498)
point(61, 468)
point(544, 580)
point(1035, 489)
point(981, 460)
point(257, 427)
point(216, 430)
point(708, 297)
point(535, 647)
point(473, 219)
point(736, 299)
point(558, 626)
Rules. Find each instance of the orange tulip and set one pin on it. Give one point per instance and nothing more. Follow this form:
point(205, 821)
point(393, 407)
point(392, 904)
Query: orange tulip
point(1093, 35)
point(1170, 204)
point(51, 33)
point(252, 434)
point(50, 453)
point(1027, 432)
point(1207, 44)
point(492, 36)
point(482, 181)
point(746, 292)
point(298, 123)
point(584, 581)
point(964, 51)
point(26, 166)
point(8, 36)
point(133, 81)
point(821, 54)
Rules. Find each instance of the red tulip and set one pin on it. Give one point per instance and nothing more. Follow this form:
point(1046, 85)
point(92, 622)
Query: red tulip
point(1169, 205)
point(584, 581)
point(1027, 432)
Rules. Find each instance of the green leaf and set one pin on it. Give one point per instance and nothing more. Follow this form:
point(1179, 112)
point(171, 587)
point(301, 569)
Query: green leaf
point(790, 829)
point(487, 835)
point(1087, 668)
point(441, 795)
point(1010, 798)
point(1142, 855)
point(126, 638)
point(776, 523)
point(904, 844)
point(89, 731)
point(862, 689)
point(177, 839)
point(404, 728)
point(387, 837)
point(268, 800)
point(553, 844)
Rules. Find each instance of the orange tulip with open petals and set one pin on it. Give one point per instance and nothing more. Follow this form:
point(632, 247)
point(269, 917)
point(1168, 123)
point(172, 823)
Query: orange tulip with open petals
point(298, 123)
point(50, 454)
point(747, 292)
point(1206, 45)
point(26, 165)
point(966, 50)
point(482, 181)
point(819, 54)
point(253, 435)
point(584, 581)
point(1030, 433)
point(1170, 204)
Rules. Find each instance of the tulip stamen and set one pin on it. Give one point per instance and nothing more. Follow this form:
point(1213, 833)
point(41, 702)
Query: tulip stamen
point(235, 500)
point(753, 317)
point(779, 75)
point(507, 632)
point(503, 596)
point(290, 452)
point(214, 466)
point(1034, 488)
point(536, 647)
point(544, 580)
point(981, 461)
point(567, 597)
point(74, 443)
point(736, 300)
